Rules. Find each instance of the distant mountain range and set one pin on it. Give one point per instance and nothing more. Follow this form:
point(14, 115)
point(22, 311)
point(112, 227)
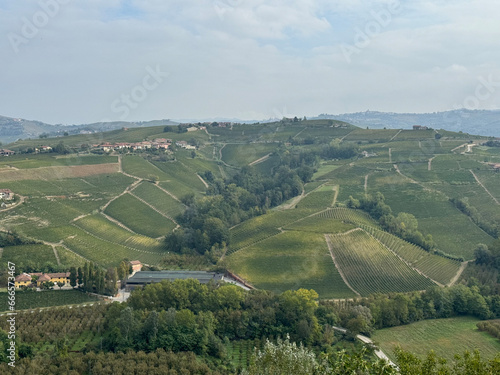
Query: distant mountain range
point(481, 122)
point(12, 129)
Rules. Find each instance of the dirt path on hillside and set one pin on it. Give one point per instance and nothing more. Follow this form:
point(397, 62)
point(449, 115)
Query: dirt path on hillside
point(484, 187)
point(293, 202)
point(459, 273)
point(409, 178)
point(366, 184)
point(329, 244)
point(56, 255)
point(166, 191)
point(390, 155)
point(429, 165)
point(260, 160)
point(154, 208)
point(21, 201)
point(456, 148)
point(336, 188)
point(299, 132)
point(119, 223)
point(60, 243)
point(203, 181)
point(395, 135)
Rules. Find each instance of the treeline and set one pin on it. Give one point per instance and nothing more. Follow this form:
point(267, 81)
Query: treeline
point(12, 238)
point(185, 315)
point(404, 225)
point(492, 143)
point(492, 327)
point(493, 229)
point(91, 278)
point(389, 310)
point(286, 357)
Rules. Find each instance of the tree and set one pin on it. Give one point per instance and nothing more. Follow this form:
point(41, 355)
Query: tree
point(283, 357)
point(72, 276)
point(80, 276)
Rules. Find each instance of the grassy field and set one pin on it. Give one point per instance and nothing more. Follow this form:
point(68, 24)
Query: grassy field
point(32, 300)
point(445, 336)
point(290, 260)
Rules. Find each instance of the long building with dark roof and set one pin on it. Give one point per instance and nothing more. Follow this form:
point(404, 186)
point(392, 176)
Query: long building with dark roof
point(142, 278)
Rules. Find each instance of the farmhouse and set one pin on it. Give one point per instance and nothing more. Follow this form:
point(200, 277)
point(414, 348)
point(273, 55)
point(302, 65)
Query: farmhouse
point(25, 278)
point(6, 194)
point(136, 265)
point(4, 152)
point(420, 127)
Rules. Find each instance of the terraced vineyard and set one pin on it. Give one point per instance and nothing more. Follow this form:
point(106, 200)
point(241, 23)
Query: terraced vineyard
point(438, 268)
point(290, 260)
point(348, 215)
point(262, 227)
point(369, 267)
point(101, 227)
point(159, 199)
point(105, 252)
point(139, 217)
point(319, 199)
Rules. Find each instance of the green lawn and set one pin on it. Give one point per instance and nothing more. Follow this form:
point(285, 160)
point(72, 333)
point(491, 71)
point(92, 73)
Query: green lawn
point(445, 336)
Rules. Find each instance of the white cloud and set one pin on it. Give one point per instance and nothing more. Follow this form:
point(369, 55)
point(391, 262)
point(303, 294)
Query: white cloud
point(244, 58)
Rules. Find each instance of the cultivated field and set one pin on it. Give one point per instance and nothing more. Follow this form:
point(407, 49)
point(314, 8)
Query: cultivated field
point(369, 267)
point(445, 336)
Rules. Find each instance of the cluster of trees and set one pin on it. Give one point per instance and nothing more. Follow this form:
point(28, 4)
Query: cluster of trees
point(492, 143)
point(91, 278)
point(395, 309)
point(493, 229)
point(206, 221)
point(286, 357)
point(492, 327)
point(404, 225)
point(237, 314)
point(12, 238)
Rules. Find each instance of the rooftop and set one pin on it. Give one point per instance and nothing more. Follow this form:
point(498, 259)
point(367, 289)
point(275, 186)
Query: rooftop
point(146, 277)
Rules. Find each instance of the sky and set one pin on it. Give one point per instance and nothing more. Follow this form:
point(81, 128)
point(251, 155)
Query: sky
point(73, 62)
